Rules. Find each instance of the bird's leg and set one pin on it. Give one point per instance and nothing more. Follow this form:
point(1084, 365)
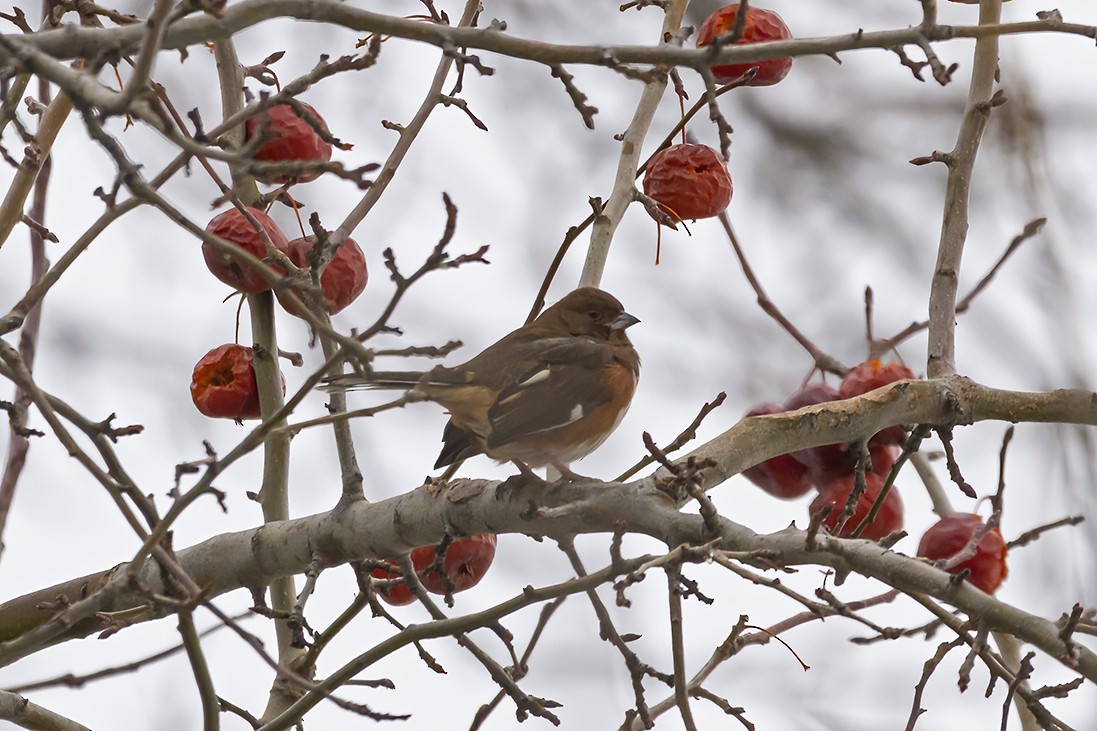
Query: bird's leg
point(568, 475)
point(450, 471)
point(526, 471)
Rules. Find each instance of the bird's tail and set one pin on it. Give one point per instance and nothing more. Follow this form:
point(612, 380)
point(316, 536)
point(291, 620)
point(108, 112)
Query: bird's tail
point(389, 380)
point(375, 380)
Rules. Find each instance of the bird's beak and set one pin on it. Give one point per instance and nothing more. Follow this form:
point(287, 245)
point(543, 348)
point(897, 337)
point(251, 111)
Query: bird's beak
point(624, 320)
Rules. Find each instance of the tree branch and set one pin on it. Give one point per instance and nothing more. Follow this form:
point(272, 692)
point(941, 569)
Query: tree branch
point(392, 527)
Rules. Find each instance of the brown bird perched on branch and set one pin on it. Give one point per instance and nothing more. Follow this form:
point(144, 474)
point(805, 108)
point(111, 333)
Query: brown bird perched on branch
point(546, 394)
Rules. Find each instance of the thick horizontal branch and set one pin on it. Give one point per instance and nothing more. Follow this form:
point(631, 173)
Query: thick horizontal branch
point(254, 558)
point(73, 42)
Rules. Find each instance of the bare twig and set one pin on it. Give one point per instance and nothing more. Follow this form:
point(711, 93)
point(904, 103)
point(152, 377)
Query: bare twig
point(19, 444)
point(677, 646)
point(578, 98)
point(408, 133)
point(1031, 535)
point(1032, 228)
point(211, 711)
point(688, 434)
point(521, 669)
point(930, 665)
point(822, 360)
point(637, 669)
point(70, 680)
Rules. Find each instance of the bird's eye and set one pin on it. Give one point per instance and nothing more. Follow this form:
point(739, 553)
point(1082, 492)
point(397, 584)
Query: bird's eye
point(594, 314)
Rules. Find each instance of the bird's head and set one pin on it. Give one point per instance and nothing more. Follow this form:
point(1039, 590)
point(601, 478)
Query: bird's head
point(589, 312)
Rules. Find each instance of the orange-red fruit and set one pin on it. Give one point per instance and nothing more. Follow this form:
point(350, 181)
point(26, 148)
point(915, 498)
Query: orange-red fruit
point(869, 376)
point(688, 181)
point(234, 227)
point(293, 140)
point(761, 25)
point(781, 476)
point(951, 534)
point(343, 279)
point(888, 520)
point(466, 562)
point(223, 384)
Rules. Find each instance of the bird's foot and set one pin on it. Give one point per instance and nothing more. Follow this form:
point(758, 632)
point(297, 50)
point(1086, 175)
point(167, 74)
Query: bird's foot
point(525, 476)
point(567, 475)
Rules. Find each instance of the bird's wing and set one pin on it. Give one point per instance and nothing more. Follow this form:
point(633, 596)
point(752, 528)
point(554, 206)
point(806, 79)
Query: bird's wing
point(560, 385)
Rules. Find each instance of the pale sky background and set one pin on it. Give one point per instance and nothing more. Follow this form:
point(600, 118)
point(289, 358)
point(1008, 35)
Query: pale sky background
point(825, 203)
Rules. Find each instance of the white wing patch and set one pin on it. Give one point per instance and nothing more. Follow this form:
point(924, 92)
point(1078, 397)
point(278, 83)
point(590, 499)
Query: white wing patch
point(541, 375)
point(575, 415)
point(538, 377)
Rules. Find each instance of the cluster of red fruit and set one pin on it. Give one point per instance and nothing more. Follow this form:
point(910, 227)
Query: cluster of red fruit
point(691, 181)
point(465, 563)
point(830, 469)
point(223, 384)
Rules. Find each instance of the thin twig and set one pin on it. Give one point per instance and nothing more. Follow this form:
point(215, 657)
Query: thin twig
point(677, 646)
point(19, 444)
point(823, 361)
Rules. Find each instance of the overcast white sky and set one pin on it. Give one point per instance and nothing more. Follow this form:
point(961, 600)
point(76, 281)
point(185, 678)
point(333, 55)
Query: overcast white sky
point(825, 202)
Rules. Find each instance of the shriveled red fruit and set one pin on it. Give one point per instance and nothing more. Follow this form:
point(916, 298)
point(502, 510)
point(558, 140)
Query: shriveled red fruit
point(829, 461)
point(888, 520)
point(234, 227)
point(761, 25)
point(869, 376)
point(811, 394)
point(466, 562)
point(223, 384)
point(396, 594)
point(688, 181)
point(951, 534)
point(292, 140)
point(781, 476)
point(343, 279)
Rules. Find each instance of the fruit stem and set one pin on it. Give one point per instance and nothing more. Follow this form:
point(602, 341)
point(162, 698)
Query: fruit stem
point(682, 114)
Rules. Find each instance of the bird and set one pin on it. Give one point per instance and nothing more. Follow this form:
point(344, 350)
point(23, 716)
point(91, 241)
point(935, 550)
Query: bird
point(548, 393)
